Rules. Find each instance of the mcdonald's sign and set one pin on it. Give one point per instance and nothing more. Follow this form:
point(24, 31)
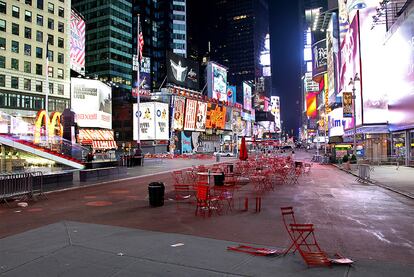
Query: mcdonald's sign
point(52, 124)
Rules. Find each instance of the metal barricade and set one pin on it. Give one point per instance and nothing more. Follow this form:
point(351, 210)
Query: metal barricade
point(16, 185)
point(364, 173)
point(37, 184)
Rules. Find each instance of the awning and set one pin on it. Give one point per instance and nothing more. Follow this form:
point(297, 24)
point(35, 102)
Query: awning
point(368, 129)
point(104, 144)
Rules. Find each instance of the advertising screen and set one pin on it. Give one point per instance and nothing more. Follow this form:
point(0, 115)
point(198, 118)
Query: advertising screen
point(332, 41)
point(216, 116)
point(217, 81)
point(190, 115)
point(311, 104)
point(161, 121)
point(183, 72)
point(146, 121)
point(229, 118)
point(347, 104)
point(201, 116)
point(336, 123)
point(399, 66)
point(231, 94)
point(186, 143)
point(275, 110)
point(319, 58)
point(92, 103)
point(178, 112)
point(77, 43)
point(350, 65)
point(145, 75)
point(247, 97)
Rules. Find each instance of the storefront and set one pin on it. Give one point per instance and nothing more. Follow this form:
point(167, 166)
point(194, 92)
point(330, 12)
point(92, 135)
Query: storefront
point(399, 146)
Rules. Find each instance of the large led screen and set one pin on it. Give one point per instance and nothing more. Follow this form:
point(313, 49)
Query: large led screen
point(399, 69)
point(217, 81)
point(311, 105)
point(337, 123)
point(247, 97)
point(275, 110)
point(178, 113)
point(216, 116)
point(201, 116)
point(182, 71)
point(92, 103)
point(77, 43)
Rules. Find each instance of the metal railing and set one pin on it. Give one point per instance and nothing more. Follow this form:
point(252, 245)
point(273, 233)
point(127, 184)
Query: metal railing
point(22, 186)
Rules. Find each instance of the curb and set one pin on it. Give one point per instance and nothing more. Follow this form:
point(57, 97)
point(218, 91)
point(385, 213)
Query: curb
point(375, 183)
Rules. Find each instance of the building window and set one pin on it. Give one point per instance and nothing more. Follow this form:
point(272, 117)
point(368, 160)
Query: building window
point(15, 11)
point(39, 52)
point(39, 69)
point(27, 101)
point(50, 23)
point(39, 20)
point(61, 12)
point(3, 7)
point(61, 27)
point(2, 44)
point(61, 58)
point(51, 88)
point(2, 25)
point(15, 29)
point(50, 55)
point(50, 39)
point(39, 36)
point(50, 72)
point(60, 73)
point(15, 64)
point(39, 86)
point(27, 67)
point(50, 8)
point(61, 43)
point(27, 49)
point(38, 103)
point(27, 32)
point(61, 89)
point(28, 16)
point(2, 80)
point(15, 82)
point(27, 84)
point(39, 4)
point(15, 46)
point(2, 62)
point(28, 2)
point(14, 100)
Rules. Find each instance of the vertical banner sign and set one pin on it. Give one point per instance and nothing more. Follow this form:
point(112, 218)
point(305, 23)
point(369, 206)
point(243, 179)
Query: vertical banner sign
point(161, 121)
point(190, 115)
point(77, 43)
point(247, 97)
point(186, 143)
point(311, 104)
point(201, 116)
point(179, 109)
point(347, 104)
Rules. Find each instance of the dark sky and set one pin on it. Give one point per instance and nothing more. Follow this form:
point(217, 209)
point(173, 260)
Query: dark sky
point(286, 49)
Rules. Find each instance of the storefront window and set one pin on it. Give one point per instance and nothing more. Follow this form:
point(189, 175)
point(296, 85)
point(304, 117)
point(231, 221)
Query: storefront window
point(398, 141)
point(412, 145)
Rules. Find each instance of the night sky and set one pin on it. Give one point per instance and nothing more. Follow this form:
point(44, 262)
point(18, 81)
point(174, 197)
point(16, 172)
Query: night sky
point(286, 50)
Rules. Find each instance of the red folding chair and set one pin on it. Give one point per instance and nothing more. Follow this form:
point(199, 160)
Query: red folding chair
point(206, 202)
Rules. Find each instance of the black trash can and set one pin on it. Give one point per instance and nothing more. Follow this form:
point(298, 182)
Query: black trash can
point(156, 194)
point(219, 180)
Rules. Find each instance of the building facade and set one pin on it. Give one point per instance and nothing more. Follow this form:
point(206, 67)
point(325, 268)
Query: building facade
point(28, 29)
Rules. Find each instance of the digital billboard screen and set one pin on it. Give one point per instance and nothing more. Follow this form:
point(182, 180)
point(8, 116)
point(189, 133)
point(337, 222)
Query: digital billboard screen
point(146, 115)
point(319, 58)
point(217, 81)
point(216, 116)
point(77, 43)
point(311, 104)
point(92, 102)
point(161, 121)
point(247, 97)
point(201, 116)
point(178, 113)
point(231, 94)
point(182, 71)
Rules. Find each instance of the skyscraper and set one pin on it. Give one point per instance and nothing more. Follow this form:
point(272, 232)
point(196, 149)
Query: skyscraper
point(30, 31)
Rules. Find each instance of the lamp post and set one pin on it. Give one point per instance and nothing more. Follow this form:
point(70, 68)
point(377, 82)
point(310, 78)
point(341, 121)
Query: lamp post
point(352, 82)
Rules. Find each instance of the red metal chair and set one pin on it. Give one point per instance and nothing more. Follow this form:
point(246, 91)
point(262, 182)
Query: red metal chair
point(206, 202)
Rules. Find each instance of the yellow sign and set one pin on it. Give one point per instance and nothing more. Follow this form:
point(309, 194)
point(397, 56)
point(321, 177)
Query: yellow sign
point(52, 125)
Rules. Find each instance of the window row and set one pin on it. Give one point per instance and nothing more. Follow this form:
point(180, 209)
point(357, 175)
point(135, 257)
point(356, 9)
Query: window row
point(15, 28)
point(28, 14)
point(27, 50)
point(27, 68)
point(32, 85)
point(31, 102)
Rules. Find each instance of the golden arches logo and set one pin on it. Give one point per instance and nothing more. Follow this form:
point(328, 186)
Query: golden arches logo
point(53, 124)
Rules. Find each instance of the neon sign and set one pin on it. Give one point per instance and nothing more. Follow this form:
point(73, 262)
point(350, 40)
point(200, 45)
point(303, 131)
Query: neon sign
point(52, 125)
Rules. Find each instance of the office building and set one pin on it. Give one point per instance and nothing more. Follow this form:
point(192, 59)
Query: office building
point(25, 28)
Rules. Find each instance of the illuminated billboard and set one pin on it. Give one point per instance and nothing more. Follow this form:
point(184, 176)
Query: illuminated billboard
point(336, 123)
point(190, 115)
point(201, 116)
point(275, 110)
point(311, 104)
point(217, 81)
point(77, 43)
point(399, 69)
point(182, 71)
point(178, 113)
point(216, 116)
point(247, 97)
point(319, 58)
point(92, 102)
point(145, 83)
point(153, 121)
point(231, 94)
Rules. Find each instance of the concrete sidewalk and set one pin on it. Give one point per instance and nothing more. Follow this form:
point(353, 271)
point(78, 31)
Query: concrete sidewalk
point(397, 179)
point(78, 249)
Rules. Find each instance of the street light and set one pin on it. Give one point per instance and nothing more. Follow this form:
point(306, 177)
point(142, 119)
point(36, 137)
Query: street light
point(352, 82)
